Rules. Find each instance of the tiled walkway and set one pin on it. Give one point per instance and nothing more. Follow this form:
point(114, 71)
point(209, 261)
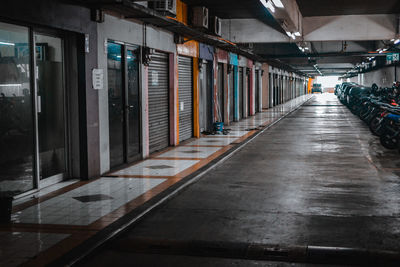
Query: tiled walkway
point(47, 227)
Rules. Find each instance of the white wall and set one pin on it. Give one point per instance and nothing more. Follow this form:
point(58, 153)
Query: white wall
point(130, 33)
point(383, 77)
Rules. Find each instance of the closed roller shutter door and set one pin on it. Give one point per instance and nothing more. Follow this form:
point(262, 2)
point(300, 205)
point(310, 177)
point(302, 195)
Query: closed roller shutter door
point(231, 96)
point(185, 98)
point(158, 102)
point(241, 112)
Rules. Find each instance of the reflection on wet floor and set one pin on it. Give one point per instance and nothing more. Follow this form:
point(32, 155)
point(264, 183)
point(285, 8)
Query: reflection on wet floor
point(88, 207)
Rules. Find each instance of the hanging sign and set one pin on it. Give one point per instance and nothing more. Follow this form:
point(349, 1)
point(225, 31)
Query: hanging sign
point(392, 57)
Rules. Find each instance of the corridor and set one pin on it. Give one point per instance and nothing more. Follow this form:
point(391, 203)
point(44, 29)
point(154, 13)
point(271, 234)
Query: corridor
point(316, 178)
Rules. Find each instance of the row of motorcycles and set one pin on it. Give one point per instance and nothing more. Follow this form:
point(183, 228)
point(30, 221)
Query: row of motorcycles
point(378, 107)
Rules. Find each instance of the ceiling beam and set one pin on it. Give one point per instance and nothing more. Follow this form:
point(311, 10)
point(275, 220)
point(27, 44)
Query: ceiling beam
point(329, 28)
point(350, 28)
point(251, 31)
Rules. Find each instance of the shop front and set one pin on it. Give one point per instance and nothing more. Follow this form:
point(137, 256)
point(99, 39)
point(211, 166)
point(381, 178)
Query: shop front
point(41, 109)
point(206, 57)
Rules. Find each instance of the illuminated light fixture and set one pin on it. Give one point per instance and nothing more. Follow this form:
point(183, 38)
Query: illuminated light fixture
point(10, 84)
point(297, 34)
point(385, 49)
point(397, 41)
point(293, 36)
point(306, 48)
point(278, 3)
point(6, 43)
point(268, 5)
point(289, 34)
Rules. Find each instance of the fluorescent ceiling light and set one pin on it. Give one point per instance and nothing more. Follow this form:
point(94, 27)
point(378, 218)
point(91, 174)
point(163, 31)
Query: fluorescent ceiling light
point(306, 48)
point(278, 3)
point(6, 43)
point(297, 34)
point(268, 5)
point(10, 84)
point(293, 36)
point(289, 34)
point(397, 41)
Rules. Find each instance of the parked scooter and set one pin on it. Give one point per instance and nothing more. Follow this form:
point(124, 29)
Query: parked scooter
point(378, 107)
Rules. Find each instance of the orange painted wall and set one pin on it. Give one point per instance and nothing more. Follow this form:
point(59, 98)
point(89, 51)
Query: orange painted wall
point(310, 83)
point(181, 12)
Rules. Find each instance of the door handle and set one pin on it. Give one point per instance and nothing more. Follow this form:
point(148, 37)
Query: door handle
point(39, 104)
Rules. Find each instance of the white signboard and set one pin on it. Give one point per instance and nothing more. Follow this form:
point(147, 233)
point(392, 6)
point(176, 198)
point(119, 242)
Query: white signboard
point(98, 79)
point(182, 106)
point(154, 77)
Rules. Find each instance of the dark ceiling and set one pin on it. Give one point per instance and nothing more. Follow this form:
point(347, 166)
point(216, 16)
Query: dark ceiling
point(331, 57)
point(311, 8)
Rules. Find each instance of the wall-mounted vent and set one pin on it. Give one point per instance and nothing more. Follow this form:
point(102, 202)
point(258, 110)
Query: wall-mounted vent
point(200, 17)
point(166, 7)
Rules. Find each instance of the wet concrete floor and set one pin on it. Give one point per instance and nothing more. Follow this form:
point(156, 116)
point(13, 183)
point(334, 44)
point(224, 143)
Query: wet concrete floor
point(318, 177)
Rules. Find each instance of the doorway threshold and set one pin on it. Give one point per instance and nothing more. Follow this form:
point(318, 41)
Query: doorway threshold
point(37, 193)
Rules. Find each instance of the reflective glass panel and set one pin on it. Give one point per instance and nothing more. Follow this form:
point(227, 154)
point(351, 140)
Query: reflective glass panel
point(16, 127)
point(50, 105)
point(115, 104)
point(133, 103)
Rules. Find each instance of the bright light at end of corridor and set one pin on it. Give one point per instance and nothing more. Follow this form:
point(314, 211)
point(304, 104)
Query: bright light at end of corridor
point(327, 81)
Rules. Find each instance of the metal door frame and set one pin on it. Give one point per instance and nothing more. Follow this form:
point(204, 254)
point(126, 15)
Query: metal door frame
point(124, 48)
point(38, 183)
point(125, 99)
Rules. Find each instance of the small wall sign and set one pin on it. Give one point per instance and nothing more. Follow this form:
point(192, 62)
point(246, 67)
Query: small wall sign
point(98, 79)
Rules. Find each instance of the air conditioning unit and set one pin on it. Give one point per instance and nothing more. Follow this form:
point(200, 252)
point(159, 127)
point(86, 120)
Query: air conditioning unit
point(166, 7)
point(216, 26)
point(200, 17)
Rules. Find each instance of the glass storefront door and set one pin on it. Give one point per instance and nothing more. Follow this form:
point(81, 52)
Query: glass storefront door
point(49, 66)
point(123, 103)
point(32, 110)
point(16, 116)
point(132, 103)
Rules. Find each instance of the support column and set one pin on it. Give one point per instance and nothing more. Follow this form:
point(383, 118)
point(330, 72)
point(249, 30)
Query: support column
point(196, 95)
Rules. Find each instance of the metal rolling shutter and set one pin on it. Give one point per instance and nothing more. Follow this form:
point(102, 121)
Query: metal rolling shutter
point(185, 98)
point(241, 93)
point(231, 96)
point(158, 102)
